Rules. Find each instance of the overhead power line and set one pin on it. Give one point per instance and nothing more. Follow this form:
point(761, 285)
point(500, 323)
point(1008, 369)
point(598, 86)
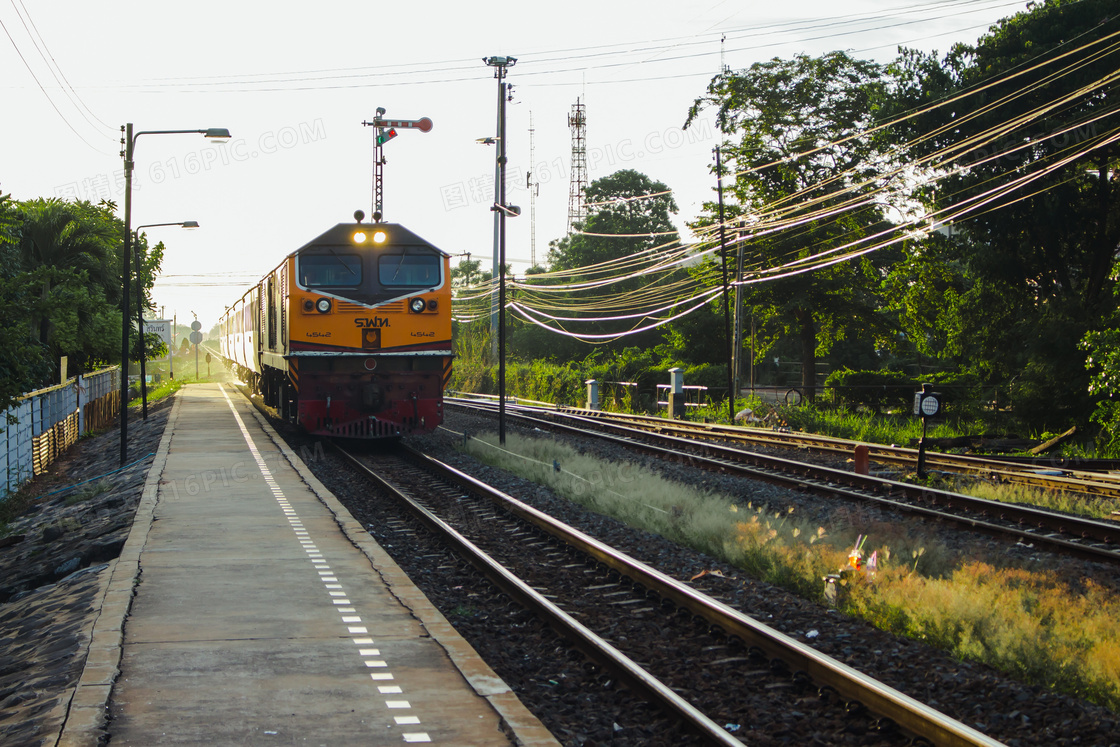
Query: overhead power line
point(39, 83)
point(564, 61)
point(56, 71)
point(587, 297)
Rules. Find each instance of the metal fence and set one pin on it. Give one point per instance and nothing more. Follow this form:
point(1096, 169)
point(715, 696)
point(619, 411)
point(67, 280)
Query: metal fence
point(49, 421)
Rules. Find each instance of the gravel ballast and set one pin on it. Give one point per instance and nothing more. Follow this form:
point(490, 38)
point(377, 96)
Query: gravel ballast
point(975, 694)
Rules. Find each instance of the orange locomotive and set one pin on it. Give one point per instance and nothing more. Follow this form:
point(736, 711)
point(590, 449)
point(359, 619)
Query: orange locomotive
point(351, 334)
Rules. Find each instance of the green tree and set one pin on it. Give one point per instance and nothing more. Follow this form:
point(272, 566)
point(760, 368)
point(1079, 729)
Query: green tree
point(147, 268)
point(795, 147)
point(923, 294)
point(1033, 276)
point(76, 241)
point(23, 363)
point(629, 214)
point(66, 268)
point(1102, 349)
point(1103, 360)
point(469, 272)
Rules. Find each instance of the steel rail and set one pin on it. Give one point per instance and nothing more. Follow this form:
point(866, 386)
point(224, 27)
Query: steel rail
point(910, 715)
point(583, 638)
point(1010, 469)
point(829, 481)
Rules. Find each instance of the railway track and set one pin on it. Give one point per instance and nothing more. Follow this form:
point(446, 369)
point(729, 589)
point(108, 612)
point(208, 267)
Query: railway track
point(695, 657)
point(1028, 525)
point(1090, 477)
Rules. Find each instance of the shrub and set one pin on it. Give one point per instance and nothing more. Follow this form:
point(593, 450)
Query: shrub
point(876, 389)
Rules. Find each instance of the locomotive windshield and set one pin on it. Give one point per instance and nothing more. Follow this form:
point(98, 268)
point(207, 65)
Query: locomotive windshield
point(409, 270)
point(330, 270)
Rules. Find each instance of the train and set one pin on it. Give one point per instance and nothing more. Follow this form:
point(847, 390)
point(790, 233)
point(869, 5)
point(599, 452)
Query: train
point(350, 335)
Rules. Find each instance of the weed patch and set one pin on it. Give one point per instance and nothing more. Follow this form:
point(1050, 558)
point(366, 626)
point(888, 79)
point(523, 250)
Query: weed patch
point(88, 492)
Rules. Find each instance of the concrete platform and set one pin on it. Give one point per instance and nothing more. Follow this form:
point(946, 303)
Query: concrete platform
point(264, 614)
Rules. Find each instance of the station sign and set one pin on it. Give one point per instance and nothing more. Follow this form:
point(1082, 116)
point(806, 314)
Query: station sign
point(161, 327)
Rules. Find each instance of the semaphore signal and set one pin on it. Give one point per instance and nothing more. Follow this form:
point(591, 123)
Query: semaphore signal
point(385, 130)
point(424, 124)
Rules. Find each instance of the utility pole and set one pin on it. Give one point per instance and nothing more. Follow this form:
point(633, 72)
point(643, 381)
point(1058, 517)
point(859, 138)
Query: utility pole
point(752, 353)
point(737, 350)
point(726, 297)
point(500, 64)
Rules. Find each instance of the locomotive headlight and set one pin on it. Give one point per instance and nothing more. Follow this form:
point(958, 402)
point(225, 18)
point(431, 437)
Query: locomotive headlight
point(323, 305)
point(417, 305)
point(359, 237)
point(379, 237)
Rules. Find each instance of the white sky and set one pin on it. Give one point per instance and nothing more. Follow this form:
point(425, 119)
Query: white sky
point(293, 85)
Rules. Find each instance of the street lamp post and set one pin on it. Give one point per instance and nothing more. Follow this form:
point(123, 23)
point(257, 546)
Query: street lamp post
point(140, 303)
point(500, 64)
point(129, 143)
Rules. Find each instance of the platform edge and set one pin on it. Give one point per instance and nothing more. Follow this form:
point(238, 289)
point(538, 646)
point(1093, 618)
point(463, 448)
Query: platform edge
point(524, 728)
point(87, 712)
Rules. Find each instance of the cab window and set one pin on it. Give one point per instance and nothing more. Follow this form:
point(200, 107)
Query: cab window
point(330, 270)
point(409, 270)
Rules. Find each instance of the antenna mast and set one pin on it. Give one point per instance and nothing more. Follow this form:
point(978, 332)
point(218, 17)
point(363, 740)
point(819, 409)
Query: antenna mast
point(577, 203)
point(534, 188)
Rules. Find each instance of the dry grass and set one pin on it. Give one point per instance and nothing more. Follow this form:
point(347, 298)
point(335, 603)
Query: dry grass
point(1074, 503)
point(1028, 623)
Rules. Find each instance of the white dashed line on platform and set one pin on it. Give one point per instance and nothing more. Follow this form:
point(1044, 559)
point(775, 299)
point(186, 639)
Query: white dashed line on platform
point(334, 590)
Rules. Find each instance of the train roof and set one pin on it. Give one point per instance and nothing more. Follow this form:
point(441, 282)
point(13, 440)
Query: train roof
point(341, 235)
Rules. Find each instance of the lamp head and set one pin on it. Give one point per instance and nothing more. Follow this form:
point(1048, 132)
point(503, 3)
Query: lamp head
point(511, 210)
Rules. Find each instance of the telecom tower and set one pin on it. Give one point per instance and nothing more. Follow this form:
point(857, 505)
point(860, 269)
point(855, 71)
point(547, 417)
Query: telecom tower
point(577, 201)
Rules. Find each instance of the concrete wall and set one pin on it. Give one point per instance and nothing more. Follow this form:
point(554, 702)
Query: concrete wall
point(48, 421)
